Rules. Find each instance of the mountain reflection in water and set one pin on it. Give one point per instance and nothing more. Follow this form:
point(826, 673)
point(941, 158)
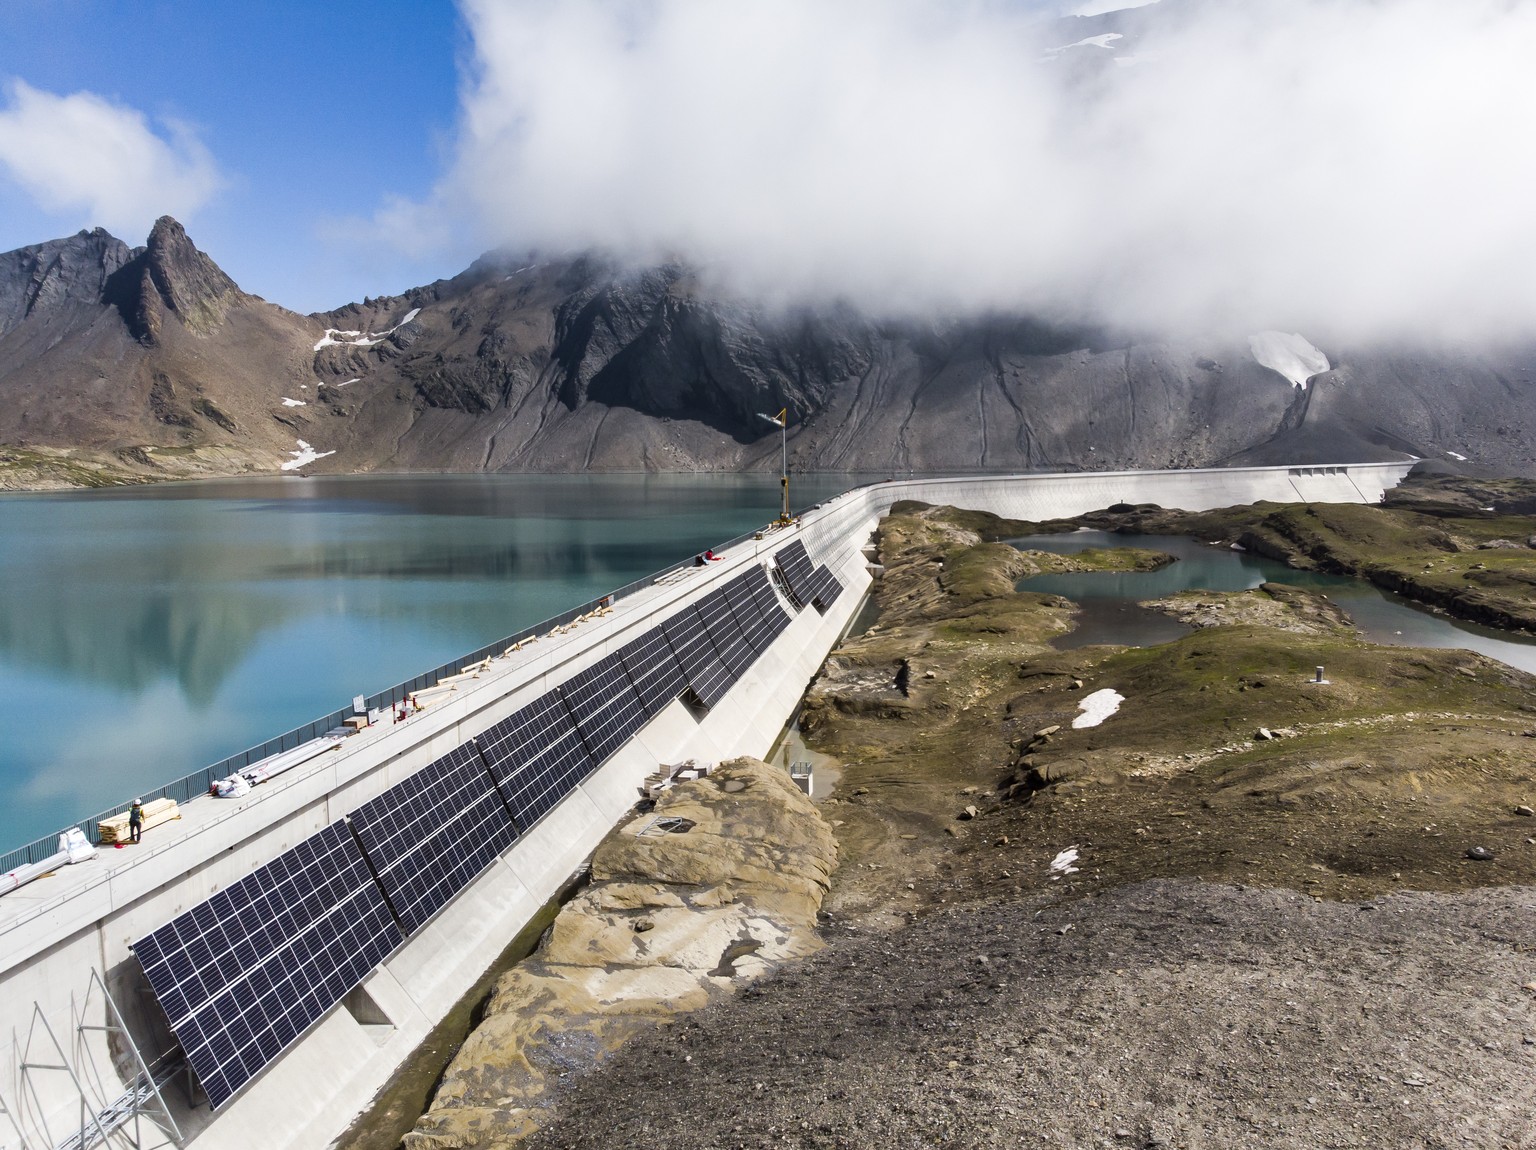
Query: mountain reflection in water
point(148, 631)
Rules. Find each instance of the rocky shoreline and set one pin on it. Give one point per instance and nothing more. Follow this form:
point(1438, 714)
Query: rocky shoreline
point(1461, 546)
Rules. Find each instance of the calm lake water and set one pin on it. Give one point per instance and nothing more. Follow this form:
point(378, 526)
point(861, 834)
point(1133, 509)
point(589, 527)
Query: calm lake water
point(1111, 615)
point(146, 632)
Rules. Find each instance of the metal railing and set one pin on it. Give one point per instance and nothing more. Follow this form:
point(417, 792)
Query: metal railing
point(190, 786)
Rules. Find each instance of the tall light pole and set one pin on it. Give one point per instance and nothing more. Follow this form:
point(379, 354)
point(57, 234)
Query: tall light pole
point(781, 421)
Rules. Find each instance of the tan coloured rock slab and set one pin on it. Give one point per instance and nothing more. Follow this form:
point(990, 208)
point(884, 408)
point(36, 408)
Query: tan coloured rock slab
point(671, 922)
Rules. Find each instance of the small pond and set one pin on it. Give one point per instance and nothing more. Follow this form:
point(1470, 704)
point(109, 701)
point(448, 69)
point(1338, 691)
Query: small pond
point(1110, 611)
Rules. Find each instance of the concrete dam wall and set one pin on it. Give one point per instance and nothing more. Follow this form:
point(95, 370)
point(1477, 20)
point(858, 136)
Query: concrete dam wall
point(272, 959)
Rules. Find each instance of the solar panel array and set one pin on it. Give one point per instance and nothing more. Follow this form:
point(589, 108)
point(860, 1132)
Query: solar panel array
point(607, 709)
point(725, 632)
point(748, 616)
point(753, 600)
point(766, 598)
point(654, 670)
point(244, 974)
point(536, 757)
point(795, 564)
point(430, 835)
point(707, 675)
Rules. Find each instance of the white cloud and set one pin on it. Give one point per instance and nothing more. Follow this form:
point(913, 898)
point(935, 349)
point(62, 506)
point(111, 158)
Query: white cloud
point(1355, 166)
point(85, 158)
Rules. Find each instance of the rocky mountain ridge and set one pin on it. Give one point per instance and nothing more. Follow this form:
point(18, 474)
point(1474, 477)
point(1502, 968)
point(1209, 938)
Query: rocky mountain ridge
point(123, 364)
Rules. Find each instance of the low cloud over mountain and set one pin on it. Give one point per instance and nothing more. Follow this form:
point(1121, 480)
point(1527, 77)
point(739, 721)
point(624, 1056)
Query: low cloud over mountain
point(1353, 168)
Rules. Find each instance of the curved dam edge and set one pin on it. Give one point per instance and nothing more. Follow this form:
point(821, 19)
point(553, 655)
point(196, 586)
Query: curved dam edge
point(54, 933)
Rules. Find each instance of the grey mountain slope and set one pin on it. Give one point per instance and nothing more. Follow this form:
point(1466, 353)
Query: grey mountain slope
point(577, 364)
point(57, 279)
point(153, 359)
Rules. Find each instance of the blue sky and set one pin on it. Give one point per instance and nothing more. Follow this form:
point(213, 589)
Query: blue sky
point(310, 114)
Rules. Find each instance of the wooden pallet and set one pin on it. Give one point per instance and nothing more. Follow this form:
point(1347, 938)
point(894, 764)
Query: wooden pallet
point(156, 811)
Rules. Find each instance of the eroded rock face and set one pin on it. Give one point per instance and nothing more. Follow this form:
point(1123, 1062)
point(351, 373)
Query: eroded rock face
point(670, 922)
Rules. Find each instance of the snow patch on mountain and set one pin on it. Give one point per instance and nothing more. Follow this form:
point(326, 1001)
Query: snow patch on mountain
point(1289, 354)
point(1104, 41)
point(304, 456)
point(292, 402)
point(335, 337)
point(1097, 707)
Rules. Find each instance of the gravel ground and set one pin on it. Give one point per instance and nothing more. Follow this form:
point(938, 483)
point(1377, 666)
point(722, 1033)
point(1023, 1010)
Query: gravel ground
point(1165, 1013)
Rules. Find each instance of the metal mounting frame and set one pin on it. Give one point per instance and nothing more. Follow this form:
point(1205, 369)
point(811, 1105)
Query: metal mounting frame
point(98, 1120)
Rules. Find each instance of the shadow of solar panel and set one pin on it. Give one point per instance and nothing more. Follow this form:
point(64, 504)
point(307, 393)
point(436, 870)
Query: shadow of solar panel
point(605, 706)
point(431, 834)
point(537, 757)
point(654, 670)
point(706, 674)
point(243, 974)
point(724, 632)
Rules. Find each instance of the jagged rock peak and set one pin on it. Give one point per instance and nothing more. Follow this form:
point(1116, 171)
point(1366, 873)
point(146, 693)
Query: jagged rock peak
point(42, 279)
point(169, 276)
point(191, 284)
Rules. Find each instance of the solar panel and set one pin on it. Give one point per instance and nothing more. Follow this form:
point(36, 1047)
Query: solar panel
point(767, 599)
point(706, 674)
point(756, 630)
point(824, 588)
point(243, 974)
point(834, 589)
point(537, 757)
point(813, 585)
point(430, 835)
point(725, 632)
point(654, 671)
point(738, 593)
point(796, 565)
point(604, 705)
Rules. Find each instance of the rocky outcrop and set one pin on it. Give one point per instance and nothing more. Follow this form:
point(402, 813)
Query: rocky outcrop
point(1274, 605)
point(170, 277)
point(716, 886)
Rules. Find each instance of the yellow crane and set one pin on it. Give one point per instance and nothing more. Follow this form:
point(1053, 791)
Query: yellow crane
point(781, 421)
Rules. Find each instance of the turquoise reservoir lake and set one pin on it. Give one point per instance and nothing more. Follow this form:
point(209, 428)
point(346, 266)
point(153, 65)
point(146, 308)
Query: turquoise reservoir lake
point(147, 632)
